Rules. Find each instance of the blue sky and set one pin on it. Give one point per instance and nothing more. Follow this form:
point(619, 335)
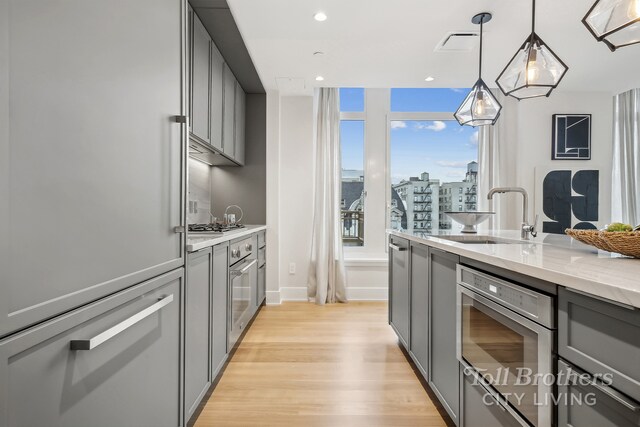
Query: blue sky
point(442, 148)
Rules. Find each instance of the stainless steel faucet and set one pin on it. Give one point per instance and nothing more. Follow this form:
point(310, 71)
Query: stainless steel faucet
point(526, 227)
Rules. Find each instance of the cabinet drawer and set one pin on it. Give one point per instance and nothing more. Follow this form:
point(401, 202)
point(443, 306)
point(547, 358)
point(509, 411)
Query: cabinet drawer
point(262, 239)
point(132, 377)
point(585, 405)
point(602, 338)
point(480, 407)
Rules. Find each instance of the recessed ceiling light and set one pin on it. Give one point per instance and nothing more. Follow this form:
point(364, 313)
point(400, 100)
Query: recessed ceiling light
point(319, 78)
point(429, 79)
point(320, 16)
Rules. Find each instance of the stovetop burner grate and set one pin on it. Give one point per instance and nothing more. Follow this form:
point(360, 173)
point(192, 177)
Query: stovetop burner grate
point(213, 228)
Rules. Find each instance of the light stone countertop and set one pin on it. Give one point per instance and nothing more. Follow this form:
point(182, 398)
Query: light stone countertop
point(195, 242)
point(555, 258)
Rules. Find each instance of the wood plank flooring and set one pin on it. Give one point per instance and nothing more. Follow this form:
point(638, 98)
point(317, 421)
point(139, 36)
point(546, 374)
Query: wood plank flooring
point(301, 364)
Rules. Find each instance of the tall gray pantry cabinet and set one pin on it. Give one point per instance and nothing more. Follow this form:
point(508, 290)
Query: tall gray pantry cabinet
point(92, 188)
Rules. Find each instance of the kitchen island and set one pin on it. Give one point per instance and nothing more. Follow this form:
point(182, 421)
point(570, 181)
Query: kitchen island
point(474, 311)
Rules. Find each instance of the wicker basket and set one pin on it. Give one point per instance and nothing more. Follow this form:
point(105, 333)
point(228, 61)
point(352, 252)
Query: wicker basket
point(622, 242)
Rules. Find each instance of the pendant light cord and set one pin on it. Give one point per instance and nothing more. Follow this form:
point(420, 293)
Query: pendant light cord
point(533, 16)
point(480, 62)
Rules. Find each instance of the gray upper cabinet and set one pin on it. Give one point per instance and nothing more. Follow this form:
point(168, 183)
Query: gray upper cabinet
point(94, 152)
point(443, 363)
point(200, 80)
point(239, 123)
point(217, 89)
point(197, 333)
point(399, 287)
point(420, 305)
point(228, 115)
point(220, 306)
point(601, 337)
point(130, 379)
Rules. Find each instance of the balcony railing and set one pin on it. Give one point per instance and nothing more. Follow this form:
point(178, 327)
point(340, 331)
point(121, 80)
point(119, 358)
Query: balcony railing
point(352, 228)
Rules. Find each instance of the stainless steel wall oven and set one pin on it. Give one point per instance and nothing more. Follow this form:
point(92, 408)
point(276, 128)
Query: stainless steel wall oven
point(505, 340)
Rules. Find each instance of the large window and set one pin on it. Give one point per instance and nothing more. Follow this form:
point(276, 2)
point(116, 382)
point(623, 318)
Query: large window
point(433, 160)
point(352, 145)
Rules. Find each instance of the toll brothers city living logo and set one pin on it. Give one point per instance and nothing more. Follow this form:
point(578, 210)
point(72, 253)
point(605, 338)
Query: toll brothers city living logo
point(509, 379)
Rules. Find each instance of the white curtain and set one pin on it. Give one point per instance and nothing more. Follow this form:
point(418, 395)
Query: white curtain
point(327, 274)
point(625, 200)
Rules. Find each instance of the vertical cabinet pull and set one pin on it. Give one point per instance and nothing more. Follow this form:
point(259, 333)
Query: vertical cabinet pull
point(105, 336)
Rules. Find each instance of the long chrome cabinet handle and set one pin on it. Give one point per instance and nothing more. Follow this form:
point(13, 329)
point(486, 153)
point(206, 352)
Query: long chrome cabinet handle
point(627, 403)
point(244, 269)
point(92, 343)
point(397, 248)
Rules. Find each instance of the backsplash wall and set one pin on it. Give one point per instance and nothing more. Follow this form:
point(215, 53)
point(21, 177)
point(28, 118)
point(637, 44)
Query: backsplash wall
point(199, 192)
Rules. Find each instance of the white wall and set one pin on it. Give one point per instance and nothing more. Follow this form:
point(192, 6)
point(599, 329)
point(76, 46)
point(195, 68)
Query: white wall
point(534, 129)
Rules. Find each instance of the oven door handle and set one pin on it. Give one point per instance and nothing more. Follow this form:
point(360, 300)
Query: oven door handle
point(244, 269)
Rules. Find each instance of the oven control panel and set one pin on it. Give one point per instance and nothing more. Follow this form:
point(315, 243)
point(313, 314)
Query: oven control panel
point(532, 304)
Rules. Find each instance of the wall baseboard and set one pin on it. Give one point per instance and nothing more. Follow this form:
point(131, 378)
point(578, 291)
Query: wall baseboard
point(273, 298)
point(368, 294)
point(298, 293)
point(353, 294)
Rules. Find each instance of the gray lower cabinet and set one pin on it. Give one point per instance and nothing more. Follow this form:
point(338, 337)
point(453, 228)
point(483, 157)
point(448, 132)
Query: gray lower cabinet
point(581, 404)
point(200, 80)
point(108, 174)
point(198, 337)
point(480, 407)
point(443, 363)
point(228, 114)
point(262, 276)
point(399, 288)
point(601, 337)
point(220, 283)
point(419, 306)
point(126, 369)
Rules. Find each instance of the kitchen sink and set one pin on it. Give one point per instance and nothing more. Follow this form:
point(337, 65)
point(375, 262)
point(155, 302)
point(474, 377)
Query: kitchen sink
point(483, 240)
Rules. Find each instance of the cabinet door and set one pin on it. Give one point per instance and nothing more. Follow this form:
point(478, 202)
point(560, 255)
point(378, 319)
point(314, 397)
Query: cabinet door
point(217, 89)
point(582, 404)
point(399, 287)
point(220, 306)
point(130, 379)
point(197, 329)
point(443, 363)
point(419, 305)
point(94, 152)
point(228, 113)
point(601, 337)
point(240, 123)
point(262, 292)
point(200, 79)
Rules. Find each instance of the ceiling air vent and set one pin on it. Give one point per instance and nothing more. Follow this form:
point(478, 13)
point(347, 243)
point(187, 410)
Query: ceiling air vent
point(458, 41)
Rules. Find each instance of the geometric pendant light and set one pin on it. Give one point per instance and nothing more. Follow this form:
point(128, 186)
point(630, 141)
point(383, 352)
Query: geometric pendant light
point(614, 22)
point(480, 107)
point(535, 70)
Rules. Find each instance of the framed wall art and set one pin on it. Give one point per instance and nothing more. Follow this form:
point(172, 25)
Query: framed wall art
point(571, 139)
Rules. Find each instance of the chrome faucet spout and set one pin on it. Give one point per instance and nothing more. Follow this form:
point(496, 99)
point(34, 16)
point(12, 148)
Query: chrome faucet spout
point(526, 227)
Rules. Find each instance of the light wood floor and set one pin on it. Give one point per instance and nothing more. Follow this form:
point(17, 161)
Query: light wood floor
point(306, 365)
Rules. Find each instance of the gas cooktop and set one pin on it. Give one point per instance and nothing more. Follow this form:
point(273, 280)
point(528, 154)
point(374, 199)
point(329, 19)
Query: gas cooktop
point(214, 228)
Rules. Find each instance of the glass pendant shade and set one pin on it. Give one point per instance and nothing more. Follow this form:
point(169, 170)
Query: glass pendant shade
point(479, 108)
point(533, 71)
point(614, 22)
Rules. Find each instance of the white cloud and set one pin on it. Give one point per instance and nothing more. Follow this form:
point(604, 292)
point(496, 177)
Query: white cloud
point(474, 138)
point(397, 124)
point(455, 174)
point(452, 164)
point(457, 90)
point(435, 126)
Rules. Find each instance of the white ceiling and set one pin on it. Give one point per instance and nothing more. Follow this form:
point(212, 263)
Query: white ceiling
point(375, 43)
